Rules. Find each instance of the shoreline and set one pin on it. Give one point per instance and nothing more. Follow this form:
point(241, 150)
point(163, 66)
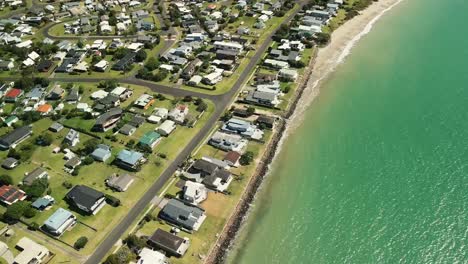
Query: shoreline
point(323, 63)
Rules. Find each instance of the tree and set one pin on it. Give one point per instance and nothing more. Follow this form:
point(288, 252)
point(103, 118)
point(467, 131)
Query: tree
point(123, 256)
point(37, 188)
point(322, 38)
point(202, 107)
point(246, 158)
point(15, 211)
point(44, 139)
point(250, 111)
point(89, 146)
point(152, 64)
point(29, 212)
point(80, 243)
point(135, 242)
point(5, 180)
point(88, 160)
point(140, 56)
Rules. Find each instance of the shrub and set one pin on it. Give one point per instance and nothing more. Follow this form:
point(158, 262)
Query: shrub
point(67, 185)
point(80, 243)
point(246, 158)
point(113, 201)
point(5, 179)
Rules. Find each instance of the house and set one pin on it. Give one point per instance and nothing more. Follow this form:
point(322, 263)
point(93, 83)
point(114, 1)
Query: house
point(222, 45)
point(56, 93)
point(148, 256)
point(289, 75)
point(101, 66)
point(30, 252)
point(211, 174)
point(43, 202)
point(101, 153)
point(137, 121)
point(228, 142)
point(130, 159)
point(265, 98)
point(122, 92)
point(169, 243)
point(35, 94)
point(264, 78)
point(265, 121)
point(44, 109)
point(127, 130)
point(108, 102)
point(73, 96)
point(72, 163)
point(276, 64)
point(12, 95)
point(242, 127)
point(144, 101)
point(9, 121)
point(59, 222)
point(195, 80)
point(86, 199)
point(178, 114)
point(194, 192)
point(166, 128)
point(125, 63)
point(99, 94)
point(56, 127)
point(44, 65)
point(213, 78)
point(10, 163)
point(72, 138)
point(108, 120)
point(188, 72)
point(149, 139)
point(232, 158)
point(120, 182)
point(10, 194)
point(6, 65)
point(185, 215)
point(38, 173)
point(15, 137)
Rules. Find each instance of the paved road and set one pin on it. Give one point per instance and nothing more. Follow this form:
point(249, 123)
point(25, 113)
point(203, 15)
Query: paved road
point(221, 102)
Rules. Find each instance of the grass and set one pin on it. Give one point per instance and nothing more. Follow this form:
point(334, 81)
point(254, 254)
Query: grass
point(94, 175)
point(59, 256)
point(218, 206)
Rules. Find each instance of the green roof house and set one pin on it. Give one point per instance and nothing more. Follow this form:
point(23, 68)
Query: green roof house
point(149, 139)
point(11, 120)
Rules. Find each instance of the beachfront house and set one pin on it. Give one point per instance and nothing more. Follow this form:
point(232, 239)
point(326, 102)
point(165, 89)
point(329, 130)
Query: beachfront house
point(187, 216)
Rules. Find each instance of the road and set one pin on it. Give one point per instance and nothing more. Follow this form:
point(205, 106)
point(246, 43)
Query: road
point(221, 103)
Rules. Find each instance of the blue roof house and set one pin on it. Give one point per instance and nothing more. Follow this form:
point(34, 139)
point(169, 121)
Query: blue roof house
point(130, 160)
point(101, 153)
point(59, 222)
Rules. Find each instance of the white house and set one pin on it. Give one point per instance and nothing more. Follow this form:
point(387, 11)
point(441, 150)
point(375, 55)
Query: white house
point(166, 128)
point(194, 192)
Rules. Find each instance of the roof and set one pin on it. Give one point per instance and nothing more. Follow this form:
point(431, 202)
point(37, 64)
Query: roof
point(56, 126)
point(121, 181)
point(148, 256)
point(205, 166)
point(84, 196)
point(129, 156)
point(31, 251)
point(101, 151)
point(102, 119)
point(33, 175)
point(149, 138)
point(45, 108)
point(232, 156)
point(8, 162)
point(13, 93)
point(181, 213)
point(41, 203)
point(166, 239)
point(10, 194)
point(15, 135)
point(127, 129)
point(58, 218)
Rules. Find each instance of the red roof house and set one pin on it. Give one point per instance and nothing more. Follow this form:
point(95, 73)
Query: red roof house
point(13, 95)
point(10, 194)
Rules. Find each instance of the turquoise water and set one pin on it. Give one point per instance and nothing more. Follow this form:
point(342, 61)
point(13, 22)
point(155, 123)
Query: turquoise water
point(378, 171)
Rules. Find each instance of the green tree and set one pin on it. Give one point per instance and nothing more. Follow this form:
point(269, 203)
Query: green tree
point(37, 188)
point(135, 242)
point(44, 139)
point(80, 243)
point(5, 180)
point(251, 111)
point(246, 158)
point(15, 211)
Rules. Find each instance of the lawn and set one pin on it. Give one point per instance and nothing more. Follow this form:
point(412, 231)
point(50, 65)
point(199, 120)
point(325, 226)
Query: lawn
point(94, 175)
point(219, 207)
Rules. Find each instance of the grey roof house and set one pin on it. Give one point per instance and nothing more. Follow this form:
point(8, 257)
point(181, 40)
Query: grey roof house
point(101, 153)
point(187, 216)
point(15, 137)
point(120, 182)
point(38, 173)
point(169, 243)
point(86, 199)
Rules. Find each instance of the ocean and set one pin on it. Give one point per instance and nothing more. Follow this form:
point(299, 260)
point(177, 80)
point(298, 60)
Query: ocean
point(378, 170)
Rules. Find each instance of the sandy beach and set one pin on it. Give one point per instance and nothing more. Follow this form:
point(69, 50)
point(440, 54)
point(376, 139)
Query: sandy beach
point(323, 63)
point(342, 41)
